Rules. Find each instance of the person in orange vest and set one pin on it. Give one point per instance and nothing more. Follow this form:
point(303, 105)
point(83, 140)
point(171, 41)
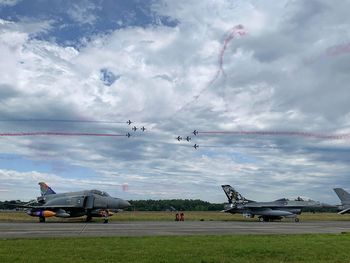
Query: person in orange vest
point(182, 217)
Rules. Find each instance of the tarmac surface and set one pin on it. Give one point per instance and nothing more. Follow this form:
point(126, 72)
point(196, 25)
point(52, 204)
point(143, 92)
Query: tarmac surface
point(164, 228)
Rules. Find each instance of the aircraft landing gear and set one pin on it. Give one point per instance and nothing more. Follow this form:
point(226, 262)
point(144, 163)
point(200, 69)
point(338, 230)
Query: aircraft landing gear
point(263, 219)
point(42, 219)
point(296, 220)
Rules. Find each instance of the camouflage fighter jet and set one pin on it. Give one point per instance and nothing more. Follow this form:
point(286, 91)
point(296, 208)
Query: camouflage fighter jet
point(89, 203)
point(266, 211)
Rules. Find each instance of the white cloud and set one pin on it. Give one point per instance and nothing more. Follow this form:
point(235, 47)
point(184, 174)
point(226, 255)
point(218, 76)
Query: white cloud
point(9, 2)
point(164, 82)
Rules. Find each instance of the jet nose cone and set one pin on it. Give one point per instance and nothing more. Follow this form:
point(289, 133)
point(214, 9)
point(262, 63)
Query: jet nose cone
point(124, 203)
point(121, 203)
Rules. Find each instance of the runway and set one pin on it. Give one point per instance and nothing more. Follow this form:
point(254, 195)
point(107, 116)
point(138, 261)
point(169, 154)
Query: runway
point(165, 228)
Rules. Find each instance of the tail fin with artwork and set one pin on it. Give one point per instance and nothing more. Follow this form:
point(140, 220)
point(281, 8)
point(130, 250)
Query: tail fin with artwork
point(45, 189)
point(232, 195)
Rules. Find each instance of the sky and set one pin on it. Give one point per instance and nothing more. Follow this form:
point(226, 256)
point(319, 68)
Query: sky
point(265, 84)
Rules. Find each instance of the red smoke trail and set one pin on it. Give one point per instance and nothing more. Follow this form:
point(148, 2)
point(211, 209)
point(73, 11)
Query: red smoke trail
point(237, 30)
point(331, 51)
point(59, 120)
point(283, 133)
point(59, 134)
point(338, 49)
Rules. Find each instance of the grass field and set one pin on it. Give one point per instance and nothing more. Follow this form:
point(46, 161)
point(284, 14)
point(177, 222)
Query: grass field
point(170, 216)
point(250, 248)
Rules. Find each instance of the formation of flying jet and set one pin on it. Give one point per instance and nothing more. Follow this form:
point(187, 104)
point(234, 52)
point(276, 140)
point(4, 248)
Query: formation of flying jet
point(195, 132)
point(134, 128)
point(266, 211)
point(128, 135)
point(89, 203)
point(188, 138)
point(179, 138)
point(195, 146)
point(344, 197)
point(143, 128)
point(129, 122)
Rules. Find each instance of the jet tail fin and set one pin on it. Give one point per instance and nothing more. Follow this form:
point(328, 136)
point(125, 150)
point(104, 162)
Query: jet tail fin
point(45, 189)
point(232, 195)
point(343, 195)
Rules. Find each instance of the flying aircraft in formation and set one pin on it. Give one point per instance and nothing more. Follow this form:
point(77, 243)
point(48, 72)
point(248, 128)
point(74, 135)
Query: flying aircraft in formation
point(134, 128)
point(179, 138)
point(129, 122)
point(143, 128)
point(266, 211)
point(195, 132)
point(195, 146)
point(344, 197)
point(89, 203)
point(128, 135)
point(188, 138)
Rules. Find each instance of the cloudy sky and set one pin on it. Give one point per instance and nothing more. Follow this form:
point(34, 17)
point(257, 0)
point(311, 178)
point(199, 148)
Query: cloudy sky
point(273, 75)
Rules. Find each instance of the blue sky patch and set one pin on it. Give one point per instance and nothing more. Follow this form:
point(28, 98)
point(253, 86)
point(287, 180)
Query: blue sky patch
point(72, 21)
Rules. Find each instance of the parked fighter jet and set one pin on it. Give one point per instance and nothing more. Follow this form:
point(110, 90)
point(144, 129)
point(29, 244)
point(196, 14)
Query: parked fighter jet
point(179, 138)
point(344, 197)
point(92, 203)
point(267, 211)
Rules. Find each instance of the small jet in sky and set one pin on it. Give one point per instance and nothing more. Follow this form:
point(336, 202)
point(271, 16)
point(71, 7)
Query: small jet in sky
point(129, 122)
point(134, 128)
point(267, 211)
point(344, 197)
point(143, 128)
point(89, 203)
point(195, 132)
point(128, 135)
point(188, 138)
point(195, 146)
point(179, 138)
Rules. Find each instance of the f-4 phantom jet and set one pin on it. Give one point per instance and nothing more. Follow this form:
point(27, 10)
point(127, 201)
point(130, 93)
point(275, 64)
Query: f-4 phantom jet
point(266, 211)
point(89, 203)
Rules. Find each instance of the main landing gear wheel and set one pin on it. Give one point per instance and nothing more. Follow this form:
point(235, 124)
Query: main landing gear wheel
point(296, 220)
point(263, 219)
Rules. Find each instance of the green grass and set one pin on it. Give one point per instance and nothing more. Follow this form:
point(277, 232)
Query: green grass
point(250, 248)
point(170, 216)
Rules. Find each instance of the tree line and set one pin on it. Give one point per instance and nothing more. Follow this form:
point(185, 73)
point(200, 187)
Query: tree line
point(165, 205)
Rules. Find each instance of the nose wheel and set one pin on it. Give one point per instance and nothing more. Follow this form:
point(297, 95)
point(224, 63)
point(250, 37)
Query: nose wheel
point(296, 220)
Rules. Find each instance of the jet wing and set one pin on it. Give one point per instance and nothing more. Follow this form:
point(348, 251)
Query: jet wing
point(347, 210)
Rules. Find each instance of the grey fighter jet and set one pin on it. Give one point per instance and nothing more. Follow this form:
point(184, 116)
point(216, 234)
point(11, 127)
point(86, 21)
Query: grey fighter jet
point(266, 211)
point(344, 197)
point(89, 203)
